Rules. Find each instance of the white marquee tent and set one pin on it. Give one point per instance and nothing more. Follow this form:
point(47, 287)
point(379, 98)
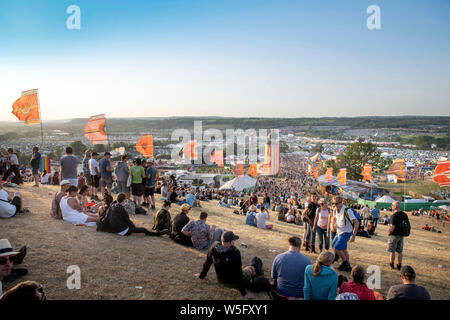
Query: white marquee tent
point(239, 183)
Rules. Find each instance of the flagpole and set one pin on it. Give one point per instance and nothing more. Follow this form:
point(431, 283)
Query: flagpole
point(40, 118)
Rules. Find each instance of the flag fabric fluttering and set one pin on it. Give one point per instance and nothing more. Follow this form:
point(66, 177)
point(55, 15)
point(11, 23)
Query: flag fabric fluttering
point(316, 173)
point(46, 164)
point(190, 150)
point(329, 174)
point(367, 172)
point(26, 108)
point(398, 168)
point(95, 129)
point(217, 157)
point(253, 169)
point(145, 146)
point(342, 176)
point(239, 169)
point(442, 173)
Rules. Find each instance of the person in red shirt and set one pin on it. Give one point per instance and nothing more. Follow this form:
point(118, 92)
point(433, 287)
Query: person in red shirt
point(254, 199)
point(357, 285)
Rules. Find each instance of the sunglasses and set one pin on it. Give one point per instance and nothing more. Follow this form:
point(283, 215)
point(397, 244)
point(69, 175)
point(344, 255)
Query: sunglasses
point(11, 259)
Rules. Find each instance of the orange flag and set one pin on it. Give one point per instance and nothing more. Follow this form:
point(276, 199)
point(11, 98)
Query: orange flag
point(342, 176)
point(329, 174)
point(145, 146)
point(190, 150)
point(398, 168)
point(95, 129)
point(217, 157)
point(442, 173)
point(239, 170)
point(252, 170)
point(316, 172)
point(26, 108)
point(367, 172)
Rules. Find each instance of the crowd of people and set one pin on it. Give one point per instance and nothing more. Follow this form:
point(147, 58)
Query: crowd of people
point(293, 275)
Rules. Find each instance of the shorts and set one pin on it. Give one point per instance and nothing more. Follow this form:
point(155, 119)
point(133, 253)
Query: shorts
point(149, 191)
point(35, 171)
point(137, 189)
point(122, 187)
point(16, 202)
point(95, 181)
point(340, 242)
point(395, 244)
point(88, 179)
point(106, 182)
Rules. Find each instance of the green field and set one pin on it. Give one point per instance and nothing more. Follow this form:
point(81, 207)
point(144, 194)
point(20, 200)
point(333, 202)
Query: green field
point(412, 188)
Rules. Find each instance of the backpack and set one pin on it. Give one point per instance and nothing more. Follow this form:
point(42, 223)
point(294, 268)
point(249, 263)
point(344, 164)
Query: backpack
point(347, 217)
point(405, 227)
point(140, 210)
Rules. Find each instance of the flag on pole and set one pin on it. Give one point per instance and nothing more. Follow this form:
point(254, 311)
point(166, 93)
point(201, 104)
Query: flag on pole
point(367, 172)
point(190, 150)
point(442, 173)
point(316, 172)
point(26, 108)
point(342, 176)
point(397, 168)
point(329, 174)
point(217, 157)
point(95, 129)
point(252, 170)
point(145, 146)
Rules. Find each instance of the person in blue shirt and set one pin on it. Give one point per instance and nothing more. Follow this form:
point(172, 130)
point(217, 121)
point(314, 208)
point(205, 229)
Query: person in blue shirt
point(190, 198)
point(288, 271)
point(320, 279)
point(375, 216)
point(106, 169)
point(251, 216)
point(150, 184)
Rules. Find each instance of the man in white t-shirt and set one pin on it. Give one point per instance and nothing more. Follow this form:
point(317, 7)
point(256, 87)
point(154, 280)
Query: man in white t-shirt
point(347, 226)
point(94, 168)
point(9, 207)
point(261, 218)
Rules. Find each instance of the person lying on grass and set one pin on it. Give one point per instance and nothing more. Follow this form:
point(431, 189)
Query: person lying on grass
point(118, 221)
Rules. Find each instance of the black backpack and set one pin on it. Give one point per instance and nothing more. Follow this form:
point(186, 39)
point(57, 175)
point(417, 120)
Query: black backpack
point(405, 227)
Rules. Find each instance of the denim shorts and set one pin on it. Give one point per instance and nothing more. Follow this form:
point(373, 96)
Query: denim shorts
point(340, 242)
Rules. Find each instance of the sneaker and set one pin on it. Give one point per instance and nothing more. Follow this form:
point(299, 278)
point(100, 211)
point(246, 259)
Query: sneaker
point(347, 267)
point(341, 267)
point(153, 208)
point(392, 265)
point(399, 266)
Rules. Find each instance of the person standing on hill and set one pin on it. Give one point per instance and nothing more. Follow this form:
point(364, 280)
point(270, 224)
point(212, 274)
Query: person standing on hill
point(310, 216)
point(35, 165)
point(122, 172)
point(86, 171)
point(150, 184)
point(69, 164)
point(95, 175)
point(398, 229)
point(137, 174)
point(106, 169)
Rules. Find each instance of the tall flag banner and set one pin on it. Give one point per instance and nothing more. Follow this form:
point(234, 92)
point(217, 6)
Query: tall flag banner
point(253, 169)
point(46, 164)
point(329, 174)
point(239, 170)
point(398, 168)
point(217, 157)
point(342, 176)
point(190, 150)
point(95, 129)
point(367, 172)
point(309, 169)
point(316, 173)
point(26, 108)
point(145, 146)
point(272, 155)
point(442, 173)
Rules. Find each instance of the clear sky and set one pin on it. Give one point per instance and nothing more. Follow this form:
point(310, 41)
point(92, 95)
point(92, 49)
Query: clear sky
point(269, 58)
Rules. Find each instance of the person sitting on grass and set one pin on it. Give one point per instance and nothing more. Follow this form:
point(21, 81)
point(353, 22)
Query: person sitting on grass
point(320, 279)
point(408, 290)
point(227, 262)
point(69, 209)
point(162, 219)
point(261, 218)
point(9, 257)
point(118, 221)
point(55, 212)
point(357, 285)
point(202, 235)
point(178, 224)
point(10, 206)
point(83, 199)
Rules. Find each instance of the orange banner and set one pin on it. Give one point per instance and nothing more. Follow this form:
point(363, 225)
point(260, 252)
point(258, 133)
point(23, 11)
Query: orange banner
point(316, 172)
point(95, 129)
point(190, 150)
point(239, 170)
point(253, 170)
point(367, 172)
point(342, 176)
point(145, 146)
point(329, 174)
point(398, 168)
point(26, 108)
point(442, 173)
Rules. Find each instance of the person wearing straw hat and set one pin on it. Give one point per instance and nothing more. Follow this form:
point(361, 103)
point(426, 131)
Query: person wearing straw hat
point(7, 259)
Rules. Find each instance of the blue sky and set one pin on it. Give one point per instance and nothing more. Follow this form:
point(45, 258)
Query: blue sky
point(270, 58)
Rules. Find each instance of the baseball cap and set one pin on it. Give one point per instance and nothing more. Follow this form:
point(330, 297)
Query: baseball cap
point(94, 153)
point(64, 182)
point(229, 236)
point(408, 271)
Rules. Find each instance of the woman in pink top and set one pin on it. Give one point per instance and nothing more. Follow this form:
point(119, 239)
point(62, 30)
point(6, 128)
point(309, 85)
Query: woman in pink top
point(357, 285)
point(321, 223)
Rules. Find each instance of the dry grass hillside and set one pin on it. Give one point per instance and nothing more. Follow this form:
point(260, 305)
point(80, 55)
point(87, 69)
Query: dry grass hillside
point(139, 267)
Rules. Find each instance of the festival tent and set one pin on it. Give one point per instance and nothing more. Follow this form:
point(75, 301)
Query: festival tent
point(317, 158)
point(385, 199)
point(239, 183)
